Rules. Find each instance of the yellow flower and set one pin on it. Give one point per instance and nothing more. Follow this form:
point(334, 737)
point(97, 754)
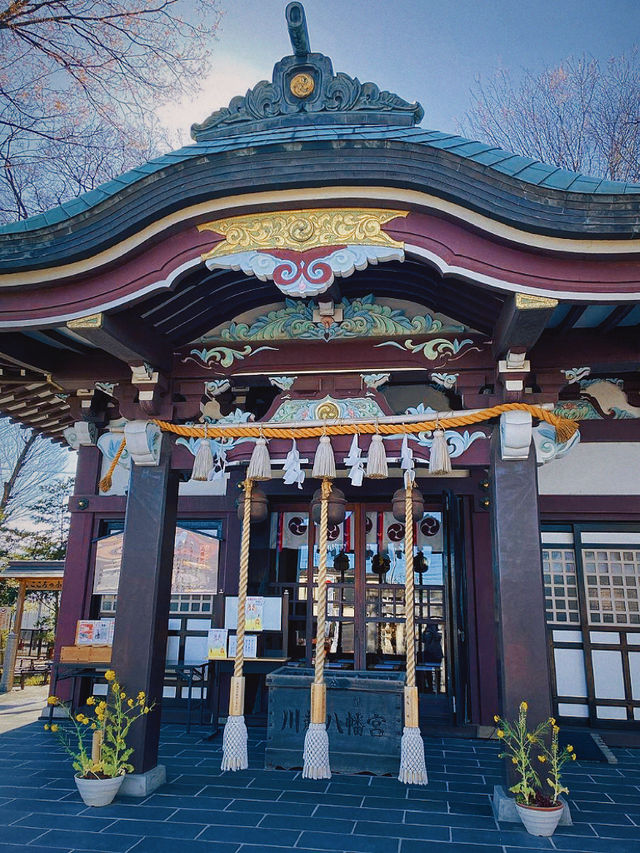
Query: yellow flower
point(123, 695)
point(524, 706)
point(552, 720)
point(53, 700)
point(496, 718)
point(91, 700)
point(140, 695)
point(79, 717)
point(130, 703)
point(93, 726)
point(530, 738)
point(500, 733)
point(514, 760)
point(109, 675)
point(556, 730)
point(101, 706)
point(569, 748)
point(54, 727)
point(573, 757)
point(146, 710)
point(46, 727)
point(541, 759)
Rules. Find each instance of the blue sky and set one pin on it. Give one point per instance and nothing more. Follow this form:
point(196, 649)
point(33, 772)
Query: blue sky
point(422, 49)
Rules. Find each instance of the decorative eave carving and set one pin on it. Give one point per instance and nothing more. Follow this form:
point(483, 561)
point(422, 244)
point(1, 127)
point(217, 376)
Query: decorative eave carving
point(305, 90)
point(302, 251)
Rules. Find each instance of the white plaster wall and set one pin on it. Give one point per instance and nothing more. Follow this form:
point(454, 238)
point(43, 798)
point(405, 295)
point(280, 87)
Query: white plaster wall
point(606, 468)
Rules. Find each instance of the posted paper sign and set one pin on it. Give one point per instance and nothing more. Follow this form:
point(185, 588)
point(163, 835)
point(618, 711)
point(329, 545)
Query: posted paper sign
point(217, 643)
point(250, 646)
point(95, 632)
point(253, 613)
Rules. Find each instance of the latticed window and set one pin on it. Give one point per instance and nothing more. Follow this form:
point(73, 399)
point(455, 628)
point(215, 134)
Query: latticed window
point(560, 585)
point(193, 603)
point(612, 584)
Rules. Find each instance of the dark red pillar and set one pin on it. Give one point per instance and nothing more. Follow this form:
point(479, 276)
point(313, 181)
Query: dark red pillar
point(76, 590)
point(144, 591)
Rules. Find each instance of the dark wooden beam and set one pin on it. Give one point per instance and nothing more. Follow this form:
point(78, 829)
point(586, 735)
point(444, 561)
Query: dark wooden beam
point(617, 316)
point(521, 322)
point(128, 339)
point(570, 319)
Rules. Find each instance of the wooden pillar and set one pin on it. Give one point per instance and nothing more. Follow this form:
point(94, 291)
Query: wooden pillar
point(144, 592)
point(76, 592)
point(523, 667)
point(13, 641)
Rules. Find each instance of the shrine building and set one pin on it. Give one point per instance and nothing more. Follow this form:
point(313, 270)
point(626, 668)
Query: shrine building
point(321, 272)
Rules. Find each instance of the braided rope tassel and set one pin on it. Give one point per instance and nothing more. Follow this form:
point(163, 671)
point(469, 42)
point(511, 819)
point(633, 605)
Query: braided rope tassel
point(413, 769)
point(564, 427)
point(316, 741)
point(235, 737)
point(107, 481)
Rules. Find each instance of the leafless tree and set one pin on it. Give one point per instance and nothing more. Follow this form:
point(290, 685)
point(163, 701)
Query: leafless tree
point(28, 462)
point(582, 115)
point(79, 83)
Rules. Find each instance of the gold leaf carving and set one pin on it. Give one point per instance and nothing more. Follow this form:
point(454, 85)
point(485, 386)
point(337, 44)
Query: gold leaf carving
point(526, 302)
point(302, 229)
point(91, 321)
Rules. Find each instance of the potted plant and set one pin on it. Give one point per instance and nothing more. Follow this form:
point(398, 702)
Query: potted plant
point(539, 811)
point(102, 766)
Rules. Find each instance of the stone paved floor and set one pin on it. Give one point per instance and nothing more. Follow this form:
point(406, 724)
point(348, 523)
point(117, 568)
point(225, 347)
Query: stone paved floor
point(258, 811)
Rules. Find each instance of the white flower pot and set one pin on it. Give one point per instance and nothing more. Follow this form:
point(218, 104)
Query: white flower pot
point(538, 820)
point(98, 792)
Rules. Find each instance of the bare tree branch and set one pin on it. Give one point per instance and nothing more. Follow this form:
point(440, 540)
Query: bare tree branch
point(80, 81)
point(580, 115)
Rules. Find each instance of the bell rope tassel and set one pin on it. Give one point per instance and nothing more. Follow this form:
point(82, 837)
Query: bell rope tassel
point(234, 738)
point(316, 740)
point(324, 463)
point(203, 463)
point(107, 481)
point(377, 468)
point(413, 768)
point(260, 463)
point(439, 459)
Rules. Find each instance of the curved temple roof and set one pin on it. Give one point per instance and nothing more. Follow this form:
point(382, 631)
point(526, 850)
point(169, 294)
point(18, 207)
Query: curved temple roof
point(335, 121)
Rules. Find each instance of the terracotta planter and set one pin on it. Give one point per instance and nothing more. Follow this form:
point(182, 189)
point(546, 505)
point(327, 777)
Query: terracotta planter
point(538, 820)
point(98, 792)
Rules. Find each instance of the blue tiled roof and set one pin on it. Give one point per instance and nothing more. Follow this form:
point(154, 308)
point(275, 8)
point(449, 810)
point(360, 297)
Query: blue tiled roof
point(525, 169)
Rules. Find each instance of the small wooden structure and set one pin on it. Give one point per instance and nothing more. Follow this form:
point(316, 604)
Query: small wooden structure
point(31, 575)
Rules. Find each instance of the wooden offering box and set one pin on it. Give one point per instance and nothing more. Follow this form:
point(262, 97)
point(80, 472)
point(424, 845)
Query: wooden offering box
point(85, 654)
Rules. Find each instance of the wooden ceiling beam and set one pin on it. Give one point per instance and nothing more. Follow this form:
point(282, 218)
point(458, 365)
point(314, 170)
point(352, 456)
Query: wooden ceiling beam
point(128, 339)
point(520, 323)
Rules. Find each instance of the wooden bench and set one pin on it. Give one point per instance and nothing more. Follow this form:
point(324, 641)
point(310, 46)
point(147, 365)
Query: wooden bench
point(27, 669)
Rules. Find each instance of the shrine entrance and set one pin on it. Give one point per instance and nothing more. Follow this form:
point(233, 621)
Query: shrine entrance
point(366, 595)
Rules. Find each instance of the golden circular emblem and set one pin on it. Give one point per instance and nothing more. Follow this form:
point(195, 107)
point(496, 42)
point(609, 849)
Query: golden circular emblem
point(301, 230)
point(302, 85)
point(327, 411)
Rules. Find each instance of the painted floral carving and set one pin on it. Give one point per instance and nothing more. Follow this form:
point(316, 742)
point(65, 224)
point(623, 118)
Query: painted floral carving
point(223, 356)
point(435, 348)
point(362, 318)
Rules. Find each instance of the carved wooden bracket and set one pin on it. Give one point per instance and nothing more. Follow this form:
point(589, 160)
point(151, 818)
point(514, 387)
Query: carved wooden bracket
point(143, 442)
point(515, 435)
point(81, 434)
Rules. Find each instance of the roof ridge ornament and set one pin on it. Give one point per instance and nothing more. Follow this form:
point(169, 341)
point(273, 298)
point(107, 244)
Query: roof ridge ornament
point(305, 90)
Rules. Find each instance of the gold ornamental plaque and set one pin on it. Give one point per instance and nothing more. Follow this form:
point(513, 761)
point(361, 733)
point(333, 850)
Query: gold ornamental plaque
point(302, 85)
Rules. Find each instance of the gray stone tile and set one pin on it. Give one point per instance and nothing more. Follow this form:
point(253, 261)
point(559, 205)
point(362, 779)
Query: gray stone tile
point(251, 835)
point(101, 842)
point(216, 816)
point(161, 829)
